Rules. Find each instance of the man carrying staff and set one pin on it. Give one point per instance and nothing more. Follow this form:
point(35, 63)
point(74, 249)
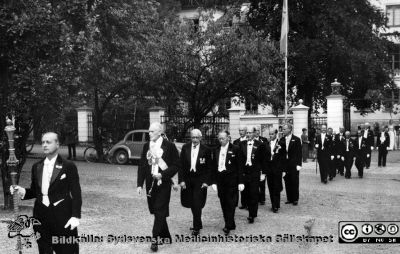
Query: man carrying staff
point(194, 177)
point(227, 178)
point(55, 185)
point(158, 164)
point(323, 144)
point(251, 172)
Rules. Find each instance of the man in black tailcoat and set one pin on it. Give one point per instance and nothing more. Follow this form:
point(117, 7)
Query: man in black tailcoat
point(323, 144)
point(251, 173)
point(272, 167)
point(55, 186)
point(158, 164)
point(383, 142)
point(227, 177)
point(292, 160)
point(194, 177)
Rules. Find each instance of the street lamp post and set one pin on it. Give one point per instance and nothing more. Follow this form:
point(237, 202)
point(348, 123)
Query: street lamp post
point(12, 164)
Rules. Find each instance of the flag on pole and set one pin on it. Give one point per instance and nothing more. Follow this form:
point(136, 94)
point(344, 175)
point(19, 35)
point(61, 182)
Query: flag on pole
point(285, 28)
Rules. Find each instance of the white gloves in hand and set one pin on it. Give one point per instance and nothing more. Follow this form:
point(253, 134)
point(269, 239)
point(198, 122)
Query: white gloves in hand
point(214, 187)
point(262, 177)
point(332, 157)
point(241, 187)
point(183, 185)
point(73, 222)
point(139, 190)
point(298, 168)
point(367, 155)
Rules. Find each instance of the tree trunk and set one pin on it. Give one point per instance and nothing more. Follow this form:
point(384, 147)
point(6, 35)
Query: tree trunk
point(97, 126)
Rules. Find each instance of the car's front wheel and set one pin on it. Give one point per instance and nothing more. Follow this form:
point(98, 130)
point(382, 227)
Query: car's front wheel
point(121, 157)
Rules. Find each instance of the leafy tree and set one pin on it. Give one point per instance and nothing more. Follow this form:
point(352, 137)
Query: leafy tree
point(115, 37)
point(39, 51)
point(204, 66)
point(327, 40)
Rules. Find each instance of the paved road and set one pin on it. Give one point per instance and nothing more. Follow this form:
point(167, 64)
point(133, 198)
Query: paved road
point(111, 206)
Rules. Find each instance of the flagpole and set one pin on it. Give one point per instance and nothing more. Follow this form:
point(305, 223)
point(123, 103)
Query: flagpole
point(286, 85)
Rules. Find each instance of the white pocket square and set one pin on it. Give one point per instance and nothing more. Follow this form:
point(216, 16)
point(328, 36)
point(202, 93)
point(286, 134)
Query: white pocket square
point(62, 176)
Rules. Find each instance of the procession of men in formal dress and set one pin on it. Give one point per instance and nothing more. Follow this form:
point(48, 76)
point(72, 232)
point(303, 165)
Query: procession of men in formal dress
point(245, 167)
point(338, 153)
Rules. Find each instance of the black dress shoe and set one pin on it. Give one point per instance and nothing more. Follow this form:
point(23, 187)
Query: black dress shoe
point(154, 247)
point(192, 228)
point(243, 207)
point(195, 232)
point(341, 174)
point(295, 203)
point(250, 220)
point(226, 231)
point(288, 202)
point(330, 178)
point(262, 202)
point(325, 181)
point(274, 209)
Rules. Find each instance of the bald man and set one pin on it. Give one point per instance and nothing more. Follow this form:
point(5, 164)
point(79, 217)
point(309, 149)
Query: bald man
point(55, 186)
point(158, 164)
point(195, 176)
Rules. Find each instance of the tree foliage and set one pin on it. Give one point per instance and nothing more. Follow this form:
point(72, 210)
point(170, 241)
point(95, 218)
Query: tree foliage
point(330, 39)
point(207, 65)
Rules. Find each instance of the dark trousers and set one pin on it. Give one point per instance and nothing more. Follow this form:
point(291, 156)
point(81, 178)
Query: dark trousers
point(360, 163)
point(382, 153)
point(332, 168)
point(292, 185)
point(197, 204)
point(261, 194)
point(71, 151)
point(252, 186)
point(339, 163)
point(53, 220)
point(348, 163)
point(244, 196)
point(160, 229)
point(228, 195)
point(323, 167)
point(274, 182)
point(368, 160)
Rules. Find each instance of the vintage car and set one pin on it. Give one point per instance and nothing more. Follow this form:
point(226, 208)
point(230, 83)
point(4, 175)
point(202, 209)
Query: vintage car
point(130, 148)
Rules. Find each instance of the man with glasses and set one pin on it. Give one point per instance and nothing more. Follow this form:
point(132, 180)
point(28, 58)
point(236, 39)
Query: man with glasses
point(194, 177)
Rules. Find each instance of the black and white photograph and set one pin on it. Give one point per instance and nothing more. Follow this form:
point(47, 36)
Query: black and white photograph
point(199, 126)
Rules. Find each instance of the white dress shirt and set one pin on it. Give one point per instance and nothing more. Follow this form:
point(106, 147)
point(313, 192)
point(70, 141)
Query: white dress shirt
point(359, 142)
point(347, 144)
point(323, 136)
point(365, 133)
point(193, 157)
point(155, 146)
point(249, 150)
point(222, 157)
point(272, 146)
point(46, 177)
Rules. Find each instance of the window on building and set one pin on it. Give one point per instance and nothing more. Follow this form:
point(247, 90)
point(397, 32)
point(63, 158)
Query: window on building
point(393, 15)
point(394, 57)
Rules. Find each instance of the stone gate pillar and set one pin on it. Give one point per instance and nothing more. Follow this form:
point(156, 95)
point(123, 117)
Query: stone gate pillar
point(335, 107)
point(155, 115)
point(85, 124)
point(300, 118)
